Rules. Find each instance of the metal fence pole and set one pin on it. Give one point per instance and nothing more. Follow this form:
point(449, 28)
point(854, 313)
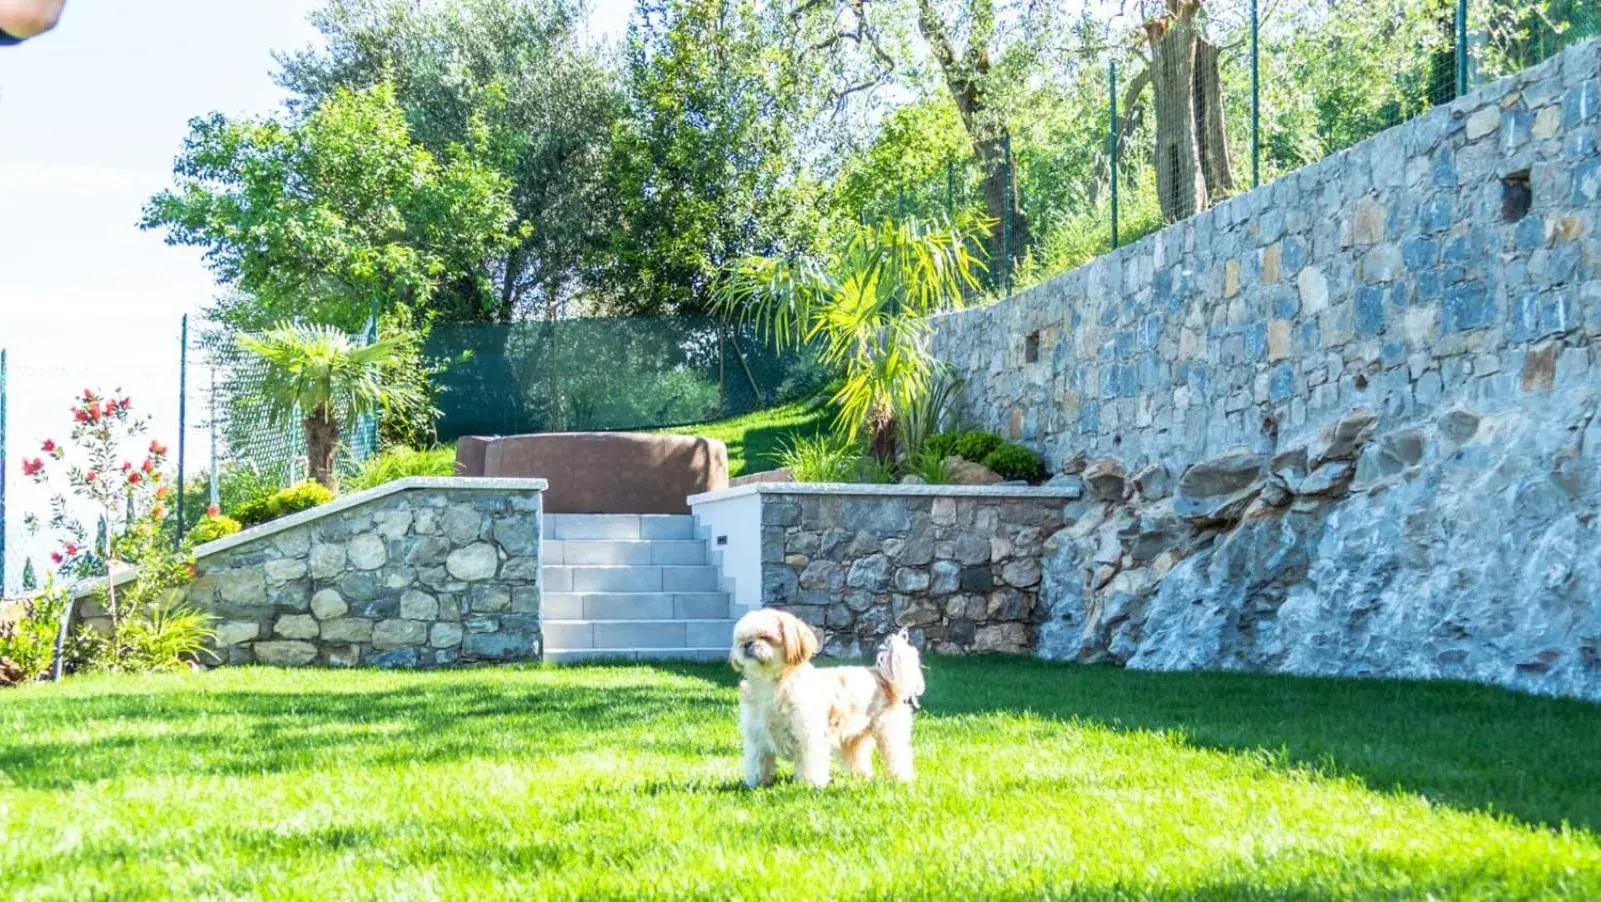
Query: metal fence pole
point(1112, 133)
point(215, 496)
point(369, 431)
point(950, 190)
point(3, 468)
point(1461, 47)
point(1256, 103)
point(1006, 211)
point(183, 420)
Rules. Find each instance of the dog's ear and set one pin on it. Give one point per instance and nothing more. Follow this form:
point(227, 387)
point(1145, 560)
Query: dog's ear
point(800, 643)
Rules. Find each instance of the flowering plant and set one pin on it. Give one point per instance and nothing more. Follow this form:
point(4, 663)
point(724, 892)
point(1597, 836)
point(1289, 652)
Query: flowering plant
point(94, 470)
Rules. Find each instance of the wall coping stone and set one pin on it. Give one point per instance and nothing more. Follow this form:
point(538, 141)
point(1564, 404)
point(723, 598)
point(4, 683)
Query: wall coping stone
point(346, 502)
point(889, 491)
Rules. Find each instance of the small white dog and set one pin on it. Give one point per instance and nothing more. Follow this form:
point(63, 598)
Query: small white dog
point(790, 709)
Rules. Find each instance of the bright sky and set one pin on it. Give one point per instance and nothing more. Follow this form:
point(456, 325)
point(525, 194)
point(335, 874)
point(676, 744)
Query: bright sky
point(91, 116)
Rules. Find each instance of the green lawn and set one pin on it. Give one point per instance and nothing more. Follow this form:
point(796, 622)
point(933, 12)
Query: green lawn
point(756, 441)
point(1034, 780)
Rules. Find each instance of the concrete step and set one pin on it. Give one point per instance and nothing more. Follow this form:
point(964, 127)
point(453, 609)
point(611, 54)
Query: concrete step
point(625, 552)
point(636, 606)
point(566, 578)
point(673, 527)
point(628, 655)
point(636, 634)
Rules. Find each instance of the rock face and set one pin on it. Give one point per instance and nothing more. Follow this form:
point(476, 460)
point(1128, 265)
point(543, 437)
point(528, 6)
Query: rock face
point(961, 572)
point(1469, 554)
point(386, 583)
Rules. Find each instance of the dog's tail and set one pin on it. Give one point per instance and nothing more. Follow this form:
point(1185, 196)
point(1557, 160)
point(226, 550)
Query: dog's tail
point(900, 667)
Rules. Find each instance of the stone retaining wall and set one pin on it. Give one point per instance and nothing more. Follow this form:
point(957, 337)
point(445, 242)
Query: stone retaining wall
point(420, 572)
point(959, 566)
point(1342, 424)
point(1404, 274)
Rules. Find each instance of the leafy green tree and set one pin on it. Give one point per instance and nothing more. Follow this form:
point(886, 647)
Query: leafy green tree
point(546, 105)
point(29, 580)
point(868, 305)
point(317, 374)
point(705, 167)
point(321, 217)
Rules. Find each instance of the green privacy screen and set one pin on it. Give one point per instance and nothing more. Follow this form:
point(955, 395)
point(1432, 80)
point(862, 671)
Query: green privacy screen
point(579, 375)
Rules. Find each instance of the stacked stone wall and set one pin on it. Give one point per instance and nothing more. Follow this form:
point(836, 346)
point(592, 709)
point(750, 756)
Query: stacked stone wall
point(417, 577)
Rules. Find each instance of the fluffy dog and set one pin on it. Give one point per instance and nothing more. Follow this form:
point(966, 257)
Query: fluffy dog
point(790, 709)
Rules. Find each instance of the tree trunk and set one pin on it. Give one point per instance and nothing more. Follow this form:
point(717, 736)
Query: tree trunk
point(1192, 156)
point(883, 436)
point(1129, 116)
point(322, 441)
point(507, 310)
point(964, 77)
point(1180, 183)
point(1215, 166)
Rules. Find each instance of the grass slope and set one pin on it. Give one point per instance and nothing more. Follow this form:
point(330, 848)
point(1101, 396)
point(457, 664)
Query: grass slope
point(1035, 780)
point(756, 441)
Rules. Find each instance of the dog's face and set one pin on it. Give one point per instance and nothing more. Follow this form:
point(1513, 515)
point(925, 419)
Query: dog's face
point(768, 642)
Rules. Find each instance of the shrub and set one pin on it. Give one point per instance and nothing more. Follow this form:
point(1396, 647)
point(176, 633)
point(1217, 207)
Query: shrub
point(282, 503)
point(165, 635)
point(27, 643)
point(975, 445)
point(238, 484)
point(210, 529)
point(158, 629)
point(823, 458)
point(942, 444)
point(399, 463)
point(1014, 461)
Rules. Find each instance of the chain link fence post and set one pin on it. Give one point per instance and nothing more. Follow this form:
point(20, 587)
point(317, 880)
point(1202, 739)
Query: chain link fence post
point(183, 422)
point(1256, 100)
point(1113, 149)
point(1461, 47)
point(1007, 200)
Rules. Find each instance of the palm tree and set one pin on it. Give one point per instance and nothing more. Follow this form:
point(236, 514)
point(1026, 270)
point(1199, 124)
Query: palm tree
point(867, 306)
point(318, 374)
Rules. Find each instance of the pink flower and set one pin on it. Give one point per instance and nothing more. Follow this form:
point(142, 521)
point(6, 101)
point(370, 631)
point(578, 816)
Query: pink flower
point(90, 476)
point(134, 478)
point(32, 467)
point(49, 446)
point(213, 511)
point(55, 556)
point(157, 449)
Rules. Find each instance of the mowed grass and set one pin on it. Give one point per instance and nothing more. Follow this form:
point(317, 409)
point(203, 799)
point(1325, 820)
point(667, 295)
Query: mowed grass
point(756, 441)
point(1035, 780)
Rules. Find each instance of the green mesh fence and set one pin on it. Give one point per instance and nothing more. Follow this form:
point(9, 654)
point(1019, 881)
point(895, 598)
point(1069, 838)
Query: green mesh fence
point(609, 374)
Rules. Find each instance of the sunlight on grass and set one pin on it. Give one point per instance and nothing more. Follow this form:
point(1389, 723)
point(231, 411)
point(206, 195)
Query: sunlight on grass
point(619, 781)
point(756, 441)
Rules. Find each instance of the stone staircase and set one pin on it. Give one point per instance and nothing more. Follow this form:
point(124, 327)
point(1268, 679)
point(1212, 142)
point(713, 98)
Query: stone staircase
point(631, 587)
